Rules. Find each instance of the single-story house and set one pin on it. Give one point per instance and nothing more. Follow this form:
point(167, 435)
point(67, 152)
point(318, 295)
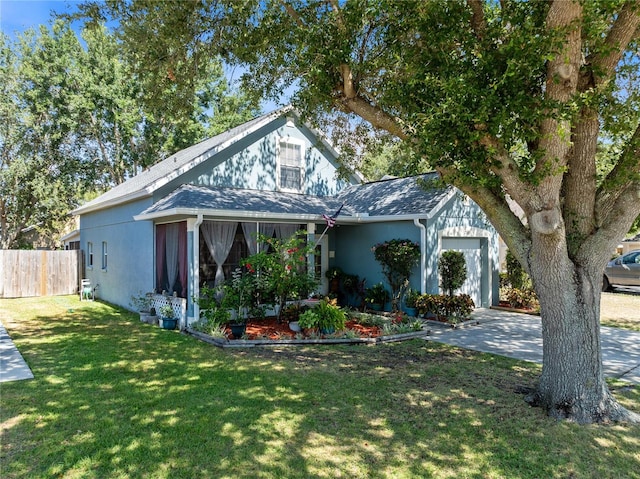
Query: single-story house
point(189, 219)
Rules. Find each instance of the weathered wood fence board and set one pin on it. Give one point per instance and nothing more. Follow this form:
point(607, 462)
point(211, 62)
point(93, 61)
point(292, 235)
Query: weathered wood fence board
point(39, 273)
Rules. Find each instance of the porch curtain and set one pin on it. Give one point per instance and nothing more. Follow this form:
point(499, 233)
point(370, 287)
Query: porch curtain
point(182, 257)
point(161, 235)
point(219, 236)
point(285, 231)
point(249, 230)
point(173, 235)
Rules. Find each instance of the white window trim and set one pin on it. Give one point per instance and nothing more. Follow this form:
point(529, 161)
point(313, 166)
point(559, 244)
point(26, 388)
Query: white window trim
point(104, 255)
point(292, 141)
point(90, 257)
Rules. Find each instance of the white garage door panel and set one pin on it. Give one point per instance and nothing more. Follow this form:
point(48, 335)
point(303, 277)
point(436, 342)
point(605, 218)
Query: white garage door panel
point(470, 247)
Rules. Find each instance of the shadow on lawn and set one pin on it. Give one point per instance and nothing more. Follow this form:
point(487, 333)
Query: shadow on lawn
point(113, 397)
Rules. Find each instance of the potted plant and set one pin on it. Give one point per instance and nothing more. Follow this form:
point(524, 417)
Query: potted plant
point(410, 298)
point(142, 304)
point(167, 317)
point(325, 316)
point(333, 275)
point(376, 297)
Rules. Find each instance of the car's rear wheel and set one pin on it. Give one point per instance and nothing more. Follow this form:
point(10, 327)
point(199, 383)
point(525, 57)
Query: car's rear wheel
point(606, 286)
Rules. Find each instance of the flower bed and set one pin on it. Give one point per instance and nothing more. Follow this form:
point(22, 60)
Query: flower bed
point(360, 328)
point(270, 328)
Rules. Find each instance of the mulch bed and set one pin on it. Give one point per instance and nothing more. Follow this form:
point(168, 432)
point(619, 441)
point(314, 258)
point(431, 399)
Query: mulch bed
point(270, 328)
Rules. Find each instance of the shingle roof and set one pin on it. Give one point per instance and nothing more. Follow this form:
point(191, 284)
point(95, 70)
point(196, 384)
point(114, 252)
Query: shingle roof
point(411, 196)
point(234, 199)
point(159, 174)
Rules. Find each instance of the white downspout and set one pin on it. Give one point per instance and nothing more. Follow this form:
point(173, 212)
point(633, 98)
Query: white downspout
point(196, 266)
point(423, 255)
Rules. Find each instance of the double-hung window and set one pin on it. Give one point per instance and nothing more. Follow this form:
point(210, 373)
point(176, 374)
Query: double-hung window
point(104, 255)
point(89, 254)
point(290, 156)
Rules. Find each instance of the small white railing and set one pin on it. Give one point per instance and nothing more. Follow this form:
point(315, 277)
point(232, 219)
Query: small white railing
point(179, 306)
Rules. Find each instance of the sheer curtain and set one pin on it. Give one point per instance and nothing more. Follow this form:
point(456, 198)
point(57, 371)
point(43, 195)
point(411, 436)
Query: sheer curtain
point(285, 231)
point(250, 230)
point(219, 236)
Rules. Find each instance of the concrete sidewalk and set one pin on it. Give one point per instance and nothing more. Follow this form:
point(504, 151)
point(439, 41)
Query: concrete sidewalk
point(12, 365)
point(519, 336)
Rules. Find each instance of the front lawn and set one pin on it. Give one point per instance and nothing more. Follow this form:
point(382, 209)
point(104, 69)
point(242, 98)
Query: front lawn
point(115, 398)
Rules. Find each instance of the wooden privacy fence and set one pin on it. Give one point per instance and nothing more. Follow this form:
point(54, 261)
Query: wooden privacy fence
point(39, 273)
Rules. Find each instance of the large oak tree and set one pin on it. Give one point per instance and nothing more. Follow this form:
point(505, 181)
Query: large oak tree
point(511, 101)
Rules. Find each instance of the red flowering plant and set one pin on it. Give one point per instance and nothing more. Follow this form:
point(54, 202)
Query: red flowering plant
point(281, 269)
point(397, 258)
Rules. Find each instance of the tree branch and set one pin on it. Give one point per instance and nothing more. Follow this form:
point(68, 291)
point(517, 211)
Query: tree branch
point(561, 84)
point(373, 114)
point(622, 182)
point(603, 63)
point(580, 179)
point(292, 13)
point(477, 18)
point(507, 170)
point(509, 226)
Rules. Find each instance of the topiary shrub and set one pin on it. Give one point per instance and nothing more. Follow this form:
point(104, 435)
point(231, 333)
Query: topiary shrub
point(397, 258)
point(453, 271)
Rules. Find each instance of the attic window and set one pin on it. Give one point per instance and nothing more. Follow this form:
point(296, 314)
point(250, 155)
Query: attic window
point(290, 164)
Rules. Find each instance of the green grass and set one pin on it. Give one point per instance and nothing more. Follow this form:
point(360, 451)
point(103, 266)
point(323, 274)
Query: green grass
point(114, 398)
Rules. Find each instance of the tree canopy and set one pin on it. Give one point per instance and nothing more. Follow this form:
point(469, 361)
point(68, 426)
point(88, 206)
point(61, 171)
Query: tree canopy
point(76, 120)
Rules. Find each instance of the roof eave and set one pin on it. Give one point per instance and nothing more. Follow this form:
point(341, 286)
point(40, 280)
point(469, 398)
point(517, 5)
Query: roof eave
point(145, 193)
point(230, 214)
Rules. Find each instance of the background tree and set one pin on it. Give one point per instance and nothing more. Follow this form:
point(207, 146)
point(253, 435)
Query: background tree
point(75, 119)
point(39, 184)
point(504, 99)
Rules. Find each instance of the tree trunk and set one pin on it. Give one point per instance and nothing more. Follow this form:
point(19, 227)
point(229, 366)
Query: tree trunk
point(572, 385)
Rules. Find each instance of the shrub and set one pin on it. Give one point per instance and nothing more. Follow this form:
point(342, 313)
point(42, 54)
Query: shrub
point(324, 316)
point(453, 271)
point(281, 271)
point(376, 294)
point(411, 297)
point(452, 308)
point(516, 277)
point(522, 298)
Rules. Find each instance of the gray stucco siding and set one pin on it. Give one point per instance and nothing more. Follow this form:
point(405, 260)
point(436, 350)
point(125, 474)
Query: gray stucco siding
point(353, 249)
point(130, 263)
point(250, 164)
point(460, 219)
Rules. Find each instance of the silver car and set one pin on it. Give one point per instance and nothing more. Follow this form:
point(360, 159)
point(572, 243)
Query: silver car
point(622, 271)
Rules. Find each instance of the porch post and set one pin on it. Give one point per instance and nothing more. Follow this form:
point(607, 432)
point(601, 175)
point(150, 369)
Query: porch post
point(193, 259)
point(423, 255)
point(311, 239)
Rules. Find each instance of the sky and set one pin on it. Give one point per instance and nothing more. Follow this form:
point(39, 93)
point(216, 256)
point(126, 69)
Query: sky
point(16, 16)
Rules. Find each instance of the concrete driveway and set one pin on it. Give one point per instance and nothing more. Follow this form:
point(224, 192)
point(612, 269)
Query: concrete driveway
point(519, 336)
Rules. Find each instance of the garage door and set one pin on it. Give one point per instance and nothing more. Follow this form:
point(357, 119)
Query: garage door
point(470, 247)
